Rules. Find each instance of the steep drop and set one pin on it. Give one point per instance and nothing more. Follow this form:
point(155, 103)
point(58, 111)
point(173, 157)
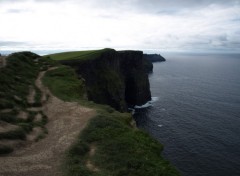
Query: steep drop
point(118, 79)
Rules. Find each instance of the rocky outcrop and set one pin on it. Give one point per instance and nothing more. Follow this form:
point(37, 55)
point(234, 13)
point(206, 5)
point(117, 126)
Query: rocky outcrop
point(118, 79)
point(154, 57)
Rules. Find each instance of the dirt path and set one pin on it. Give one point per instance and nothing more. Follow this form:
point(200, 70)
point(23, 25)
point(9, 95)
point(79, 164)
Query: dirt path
point(44, 158)
point(31, 96)
point(2, 61)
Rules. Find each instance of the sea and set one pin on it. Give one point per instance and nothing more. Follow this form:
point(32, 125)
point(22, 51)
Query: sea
point(195, 112)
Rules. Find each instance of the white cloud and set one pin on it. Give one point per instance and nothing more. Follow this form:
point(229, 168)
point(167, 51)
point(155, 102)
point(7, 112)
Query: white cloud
point(78, 24)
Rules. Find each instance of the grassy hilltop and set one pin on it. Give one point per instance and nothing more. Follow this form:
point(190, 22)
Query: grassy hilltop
point(77, 55)
point(109, 146)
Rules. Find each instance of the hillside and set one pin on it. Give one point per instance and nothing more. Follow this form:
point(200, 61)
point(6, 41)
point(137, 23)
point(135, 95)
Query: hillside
point(109, 145)
point(21, 101)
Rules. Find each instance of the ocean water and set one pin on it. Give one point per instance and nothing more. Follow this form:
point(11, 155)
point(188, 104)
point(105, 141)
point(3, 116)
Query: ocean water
point(197, 114)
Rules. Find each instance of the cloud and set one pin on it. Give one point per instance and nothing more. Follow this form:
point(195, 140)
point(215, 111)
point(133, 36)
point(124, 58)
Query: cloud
point(128, 24)
point(14, 11)
point(18, 11)
point(10, 43)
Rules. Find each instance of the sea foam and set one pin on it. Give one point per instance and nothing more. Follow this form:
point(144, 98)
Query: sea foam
point(148, 104)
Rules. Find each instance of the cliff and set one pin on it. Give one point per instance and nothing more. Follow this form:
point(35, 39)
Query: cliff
point(118, 79)
point(154, 57)
point(109, 144)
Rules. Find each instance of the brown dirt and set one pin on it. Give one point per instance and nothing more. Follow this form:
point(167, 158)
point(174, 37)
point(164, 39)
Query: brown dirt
point(36, 132)
point(89, 163)
point(2, 61)
point(38, 117)
point(6, 110)
point(22, 115)
point(12, 143)
point(44, 158)
point(31, 95)
point(5, 127)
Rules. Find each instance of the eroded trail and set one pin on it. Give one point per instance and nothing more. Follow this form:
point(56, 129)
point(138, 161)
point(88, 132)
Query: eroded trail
point(66, 120)
point(3, 61)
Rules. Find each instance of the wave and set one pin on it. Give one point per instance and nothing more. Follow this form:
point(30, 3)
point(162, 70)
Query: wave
point(148, 104)
point(132, 110)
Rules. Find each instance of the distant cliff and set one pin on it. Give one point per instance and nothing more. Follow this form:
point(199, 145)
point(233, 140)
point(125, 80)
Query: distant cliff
point(154, 57)
point(115, 78)
point(149, 59)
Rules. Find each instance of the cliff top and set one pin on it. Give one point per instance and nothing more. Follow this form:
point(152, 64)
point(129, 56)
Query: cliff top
point(78, 55)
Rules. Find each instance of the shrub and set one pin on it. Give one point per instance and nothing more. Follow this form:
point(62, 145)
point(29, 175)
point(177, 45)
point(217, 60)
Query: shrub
point(5, 149)
point(14, 134)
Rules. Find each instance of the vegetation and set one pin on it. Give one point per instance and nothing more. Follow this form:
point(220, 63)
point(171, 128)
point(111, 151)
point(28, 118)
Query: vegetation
point(16, 79)
point(64, 83)
point(109, 145)
point(5, 149)
point(120, 149)
point(20, 72)
point(77, 55)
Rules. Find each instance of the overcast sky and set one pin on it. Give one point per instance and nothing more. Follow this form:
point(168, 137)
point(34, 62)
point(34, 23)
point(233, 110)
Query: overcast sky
point(150, 25)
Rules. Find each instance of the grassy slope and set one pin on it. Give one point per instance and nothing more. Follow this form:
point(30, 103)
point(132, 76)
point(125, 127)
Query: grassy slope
point(69, 89)
point(120, 149)
point(15, 79)
point(76, 55)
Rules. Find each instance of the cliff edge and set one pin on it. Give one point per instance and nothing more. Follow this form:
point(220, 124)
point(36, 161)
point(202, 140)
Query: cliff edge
point(115, 78)
point(154, 57)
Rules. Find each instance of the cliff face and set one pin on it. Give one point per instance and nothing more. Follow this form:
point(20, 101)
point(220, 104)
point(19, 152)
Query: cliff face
point(137, 88)
point(118, 79)
point(154, 57)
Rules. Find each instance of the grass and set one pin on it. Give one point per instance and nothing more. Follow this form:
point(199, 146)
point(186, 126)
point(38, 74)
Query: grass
point(19, 74)
point(64, 83)
point(10, 117)
point(120, 149)
point(76, 55)
point(15, 78)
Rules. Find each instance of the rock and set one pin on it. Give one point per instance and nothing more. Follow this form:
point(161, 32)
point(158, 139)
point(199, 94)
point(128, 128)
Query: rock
point(118, 79)
point(154, 57)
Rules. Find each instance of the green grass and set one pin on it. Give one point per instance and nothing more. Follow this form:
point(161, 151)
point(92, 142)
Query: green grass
point(120, 149)
point(15, 78)
point(76, 55)
point(63, 82)
point(19, 74)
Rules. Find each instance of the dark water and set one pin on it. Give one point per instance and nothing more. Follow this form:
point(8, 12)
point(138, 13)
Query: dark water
point(197, 116)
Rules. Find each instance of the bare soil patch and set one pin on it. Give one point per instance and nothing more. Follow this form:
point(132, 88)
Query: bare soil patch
point(89, 163)
point(5, 127)
point(3, 61)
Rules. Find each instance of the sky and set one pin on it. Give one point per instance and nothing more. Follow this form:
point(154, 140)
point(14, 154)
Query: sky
point(148, 25)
